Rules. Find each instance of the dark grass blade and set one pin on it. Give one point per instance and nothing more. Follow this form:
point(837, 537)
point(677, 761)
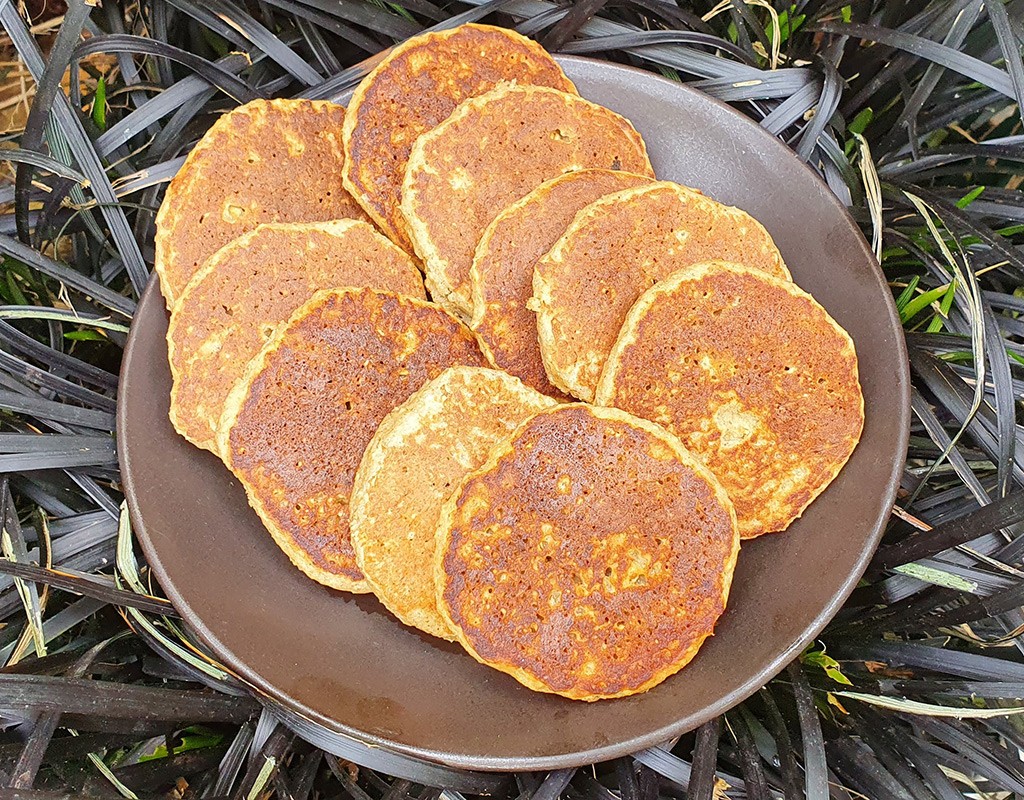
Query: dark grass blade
point(934, 659)
point(996, 763)
point(52, 411)
point(1005, 398)
point(263, 39)
point(43, 162)
point(1009, 44)
point(35, 376)
point(318, 46)
point(315, 21)
point(215, 75)
point(933, 133)
point(885, 740)
point(827, 105)
point(163, 104)
point(47, 266)
point(120, 701)
point(31, 757)
point(647, 38)
point(1000, 514)
point(29, 347)
point(815, 769)
point(854, 761)
point(554, 784)
point(625, 774)
point(80, 146)
point(926, 48)
point(705, 757)
point(49, 88)
point(753, 773)
point(568, 26)
point(375, 18)
point(87, 586)
point(790, 773)
point(953, 39)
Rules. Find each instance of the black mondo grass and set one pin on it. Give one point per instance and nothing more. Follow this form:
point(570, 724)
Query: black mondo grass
point(911, 113)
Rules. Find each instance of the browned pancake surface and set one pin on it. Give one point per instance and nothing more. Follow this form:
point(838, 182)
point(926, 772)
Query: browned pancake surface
point(416, 88)
point(752, 375)
point(490, 152)
point(615, 249)
point(590, 557)
point(266, 161)
point(502, 272)
point(303, 416)
point(232, 306)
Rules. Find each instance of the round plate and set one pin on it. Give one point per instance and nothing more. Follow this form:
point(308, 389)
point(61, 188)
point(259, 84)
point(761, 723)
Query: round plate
point(341, 661)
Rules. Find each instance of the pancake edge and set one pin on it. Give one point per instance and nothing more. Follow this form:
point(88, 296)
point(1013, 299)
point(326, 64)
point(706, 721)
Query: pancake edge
point(605, 394)
point(233, 407)
point(434, 266)
point(166, 215)
point(566, 376)
point(334, 227)
point(448, 511)
point(399, 231)
point(476, 278)
point(372, 463)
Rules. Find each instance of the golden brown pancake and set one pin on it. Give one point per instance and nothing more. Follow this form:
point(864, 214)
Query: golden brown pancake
point(296, 425)
point(616, 248)
point(502, 274)
point(490, 152)
point(589, 557)
point(250, 286)
point(415, 89)
point(266, 161)
point(754, 377)
point(419, 454)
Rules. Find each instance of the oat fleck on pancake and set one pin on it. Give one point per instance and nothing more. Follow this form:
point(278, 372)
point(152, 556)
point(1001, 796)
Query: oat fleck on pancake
point(266, 161)
point(296, 425)
point(250, 286)
point(502, 272)
point(616, 248)
point(415, 89)
point(590, 557)
point(754, 377)
point(420, 453)
point(490, 152)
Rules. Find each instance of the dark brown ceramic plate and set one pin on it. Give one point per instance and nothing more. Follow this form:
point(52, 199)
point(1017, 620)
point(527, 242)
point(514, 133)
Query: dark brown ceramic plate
point(342, 663)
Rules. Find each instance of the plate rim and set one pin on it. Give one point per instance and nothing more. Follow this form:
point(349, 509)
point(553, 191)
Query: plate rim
point(470, 764)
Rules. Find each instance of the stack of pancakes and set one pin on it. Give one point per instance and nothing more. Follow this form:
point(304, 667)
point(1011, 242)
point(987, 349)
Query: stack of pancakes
point(464, 351)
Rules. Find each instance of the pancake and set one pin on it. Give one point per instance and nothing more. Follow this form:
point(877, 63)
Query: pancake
point(415, 89)
point(616, 248)
point(296, 425)
point(421, 450)
point(589, 557)
point(266, 161)
point(251, 285)
point(490, 152)
point(502, 274)
point(754, 377)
